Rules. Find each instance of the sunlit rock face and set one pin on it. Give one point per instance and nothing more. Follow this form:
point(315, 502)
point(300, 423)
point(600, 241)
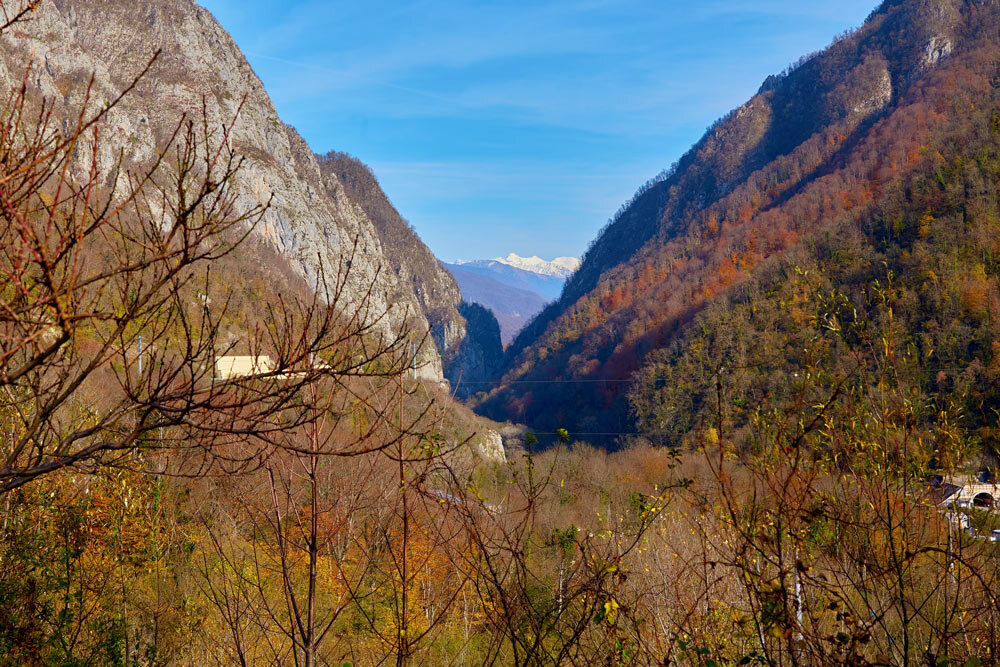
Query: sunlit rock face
point(490, 446)
point(937, 48)
point(312, 222)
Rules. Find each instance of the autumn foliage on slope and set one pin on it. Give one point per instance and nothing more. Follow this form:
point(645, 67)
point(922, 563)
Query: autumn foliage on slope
point(831, 145)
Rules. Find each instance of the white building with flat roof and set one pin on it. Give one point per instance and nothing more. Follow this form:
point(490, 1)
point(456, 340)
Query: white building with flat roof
point(233, 367)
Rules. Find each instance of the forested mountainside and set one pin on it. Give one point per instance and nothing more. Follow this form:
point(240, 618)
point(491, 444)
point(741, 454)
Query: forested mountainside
point(876, 157)
point(313, 221)
point(204, 461)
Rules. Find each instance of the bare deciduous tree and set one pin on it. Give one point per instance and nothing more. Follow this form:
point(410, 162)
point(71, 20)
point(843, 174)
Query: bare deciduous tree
point(107, 336)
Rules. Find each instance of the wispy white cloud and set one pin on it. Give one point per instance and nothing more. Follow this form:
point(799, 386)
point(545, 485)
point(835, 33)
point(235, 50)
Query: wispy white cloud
point(403, 37)
point(602, 66)
point(541, 116)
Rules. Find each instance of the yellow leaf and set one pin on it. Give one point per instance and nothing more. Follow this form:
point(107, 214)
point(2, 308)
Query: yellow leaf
point(611, 611)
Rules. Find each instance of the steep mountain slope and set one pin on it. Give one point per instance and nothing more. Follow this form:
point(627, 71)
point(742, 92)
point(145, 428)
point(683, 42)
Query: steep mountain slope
point(830, 147)
point(512, 306)
point(417, 271)
point(313, 222)
point(479, 356)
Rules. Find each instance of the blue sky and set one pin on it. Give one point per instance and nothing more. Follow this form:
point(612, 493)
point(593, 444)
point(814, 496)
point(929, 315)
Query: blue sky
point(499, 127)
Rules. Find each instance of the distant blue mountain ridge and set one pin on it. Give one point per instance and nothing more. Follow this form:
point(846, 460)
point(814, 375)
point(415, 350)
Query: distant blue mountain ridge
point(513, 295)
point(549, 287)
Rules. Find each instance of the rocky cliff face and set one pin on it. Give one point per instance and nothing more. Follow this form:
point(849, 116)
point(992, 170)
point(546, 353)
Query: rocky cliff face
point(417, 272)
point(313, 221)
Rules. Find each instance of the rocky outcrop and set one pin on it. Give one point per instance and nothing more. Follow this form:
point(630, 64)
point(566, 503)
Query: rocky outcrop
point(936, 49)
point(312, 221)
point(490, 446)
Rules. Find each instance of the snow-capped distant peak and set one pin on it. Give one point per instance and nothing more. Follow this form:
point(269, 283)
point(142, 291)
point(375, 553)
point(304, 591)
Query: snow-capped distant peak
point(561, 267)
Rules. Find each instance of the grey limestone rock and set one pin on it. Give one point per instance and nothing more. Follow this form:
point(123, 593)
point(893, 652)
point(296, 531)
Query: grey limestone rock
point(311, 222)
